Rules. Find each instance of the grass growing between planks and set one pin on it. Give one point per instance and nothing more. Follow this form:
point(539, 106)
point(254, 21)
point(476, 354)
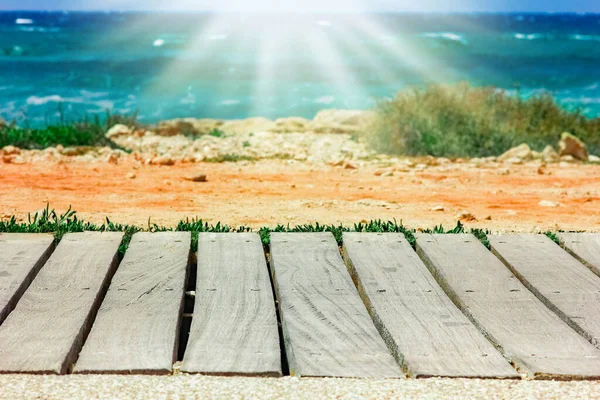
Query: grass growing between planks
point(49, 221)
point(465, 121)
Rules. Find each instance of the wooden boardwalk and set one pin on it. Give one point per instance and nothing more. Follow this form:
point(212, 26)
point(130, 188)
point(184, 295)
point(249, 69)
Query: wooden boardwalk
point(374, 307)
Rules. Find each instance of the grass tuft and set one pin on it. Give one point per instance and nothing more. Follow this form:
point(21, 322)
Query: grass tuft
point(49, 221)
point(553, 236)
point(465, 121)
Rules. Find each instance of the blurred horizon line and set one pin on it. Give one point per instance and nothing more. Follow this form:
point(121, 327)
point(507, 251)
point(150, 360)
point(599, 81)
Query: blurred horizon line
point(308, 12)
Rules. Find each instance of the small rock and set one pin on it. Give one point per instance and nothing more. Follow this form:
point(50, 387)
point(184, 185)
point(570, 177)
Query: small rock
point(387, 174)
point(438, 208)
point(542, 169)
point(567, 158)
point(521, 152)
point(594, 159)
point(118, 131)
point(504, 171)
point(196, 178)
point(3, 123)
point(466, 216)
point(571, 145)
point(163, 160)
point(350, 165)
point(131, 175)
point(549, 203)
point(549, 155)
point(10, 151)
point(488, 218)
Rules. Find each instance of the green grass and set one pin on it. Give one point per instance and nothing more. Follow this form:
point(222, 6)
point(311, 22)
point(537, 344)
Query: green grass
point(87, 132)
point(217, 133)
point(49, 221)
point(465, 121)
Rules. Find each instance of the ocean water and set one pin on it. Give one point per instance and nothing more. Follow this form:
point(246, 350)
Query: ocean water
point(171, 65)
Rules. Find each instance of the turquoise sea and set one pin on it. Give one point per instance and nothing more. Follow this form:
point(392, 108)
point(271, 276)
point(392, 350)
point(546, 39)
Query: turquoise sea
point(167, 65)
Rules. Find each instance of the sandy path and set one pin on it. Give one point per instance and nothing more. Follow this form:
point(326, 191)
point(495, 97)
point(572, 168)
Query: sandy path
point(204, 387)
point(272, 192)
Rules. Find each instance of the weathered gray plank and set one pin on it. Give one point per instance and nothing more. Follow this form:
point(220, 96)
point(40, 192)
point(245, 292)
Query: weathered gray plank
point(46, 330)
point(137, 327)
point(530, 335)
point(427, 333)
point(560, 281)
point(234, 329)
point(21, 257)
point(326, 327)
point(583, 246)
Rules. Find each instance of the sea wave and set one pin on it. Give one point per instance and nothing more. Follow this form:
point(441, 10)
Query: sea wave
point(39, 29)
point(454, 37)
point(55, 98)
point(586, 38)
point(530, 36)
point(325, 100)
point(23, 21)
point(231, 102)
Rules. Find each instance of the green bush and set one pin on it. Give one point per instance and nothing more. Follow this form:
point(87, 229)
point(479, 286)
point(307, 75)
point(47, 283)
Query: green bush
point(465, 121)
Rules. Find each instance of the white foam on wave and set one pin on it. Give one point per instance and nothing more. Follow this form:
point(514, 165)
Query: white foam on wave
point(586, 38)
point(230, 102)
point(40, 29)
point(158, 43)
point(325, 100)
point(324, 23)
point(55, 98)
point(528, 36)
point(40, 101)
point(454, 37)
point(581, 100)
point(23, 21)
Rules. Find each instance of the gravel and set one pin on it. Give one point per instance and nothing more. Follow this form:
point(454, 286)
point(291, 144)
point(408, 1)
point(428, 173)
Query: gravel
point(207, 387)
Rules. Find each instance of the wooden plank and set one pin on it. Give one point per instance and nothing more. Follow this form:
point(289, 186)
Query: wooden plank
point(326, 328)
point(21, 257)
point(234, 328)
point(426, 332)
point(137, 327)
point(561, 282)
point(47, 328)
point(531, 336)
point(583, 246)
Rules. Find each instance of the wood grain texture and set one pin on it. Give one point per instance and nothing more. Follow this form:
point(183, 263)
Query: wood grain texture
point(535, 339)
point(137, 327)
point(426, 332)
point(561, 282)
point(327, 329)
point(47, 328)
point(583, 246)
point(21, 257)
point(234, 329)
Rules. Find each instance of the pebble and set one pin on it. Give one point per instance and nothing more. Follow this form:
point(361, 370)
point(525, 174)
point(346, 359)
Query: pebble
point(438, 208)
point(197, 178)
point(350, 165)
point(163, 160)
point(466, 216)
point(549, 203)
point(131, 175)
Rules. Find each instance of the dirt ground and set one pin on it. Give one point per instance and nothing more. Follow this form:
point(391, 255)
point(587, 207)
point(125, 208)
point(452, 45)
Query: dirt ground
point(270, 192)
